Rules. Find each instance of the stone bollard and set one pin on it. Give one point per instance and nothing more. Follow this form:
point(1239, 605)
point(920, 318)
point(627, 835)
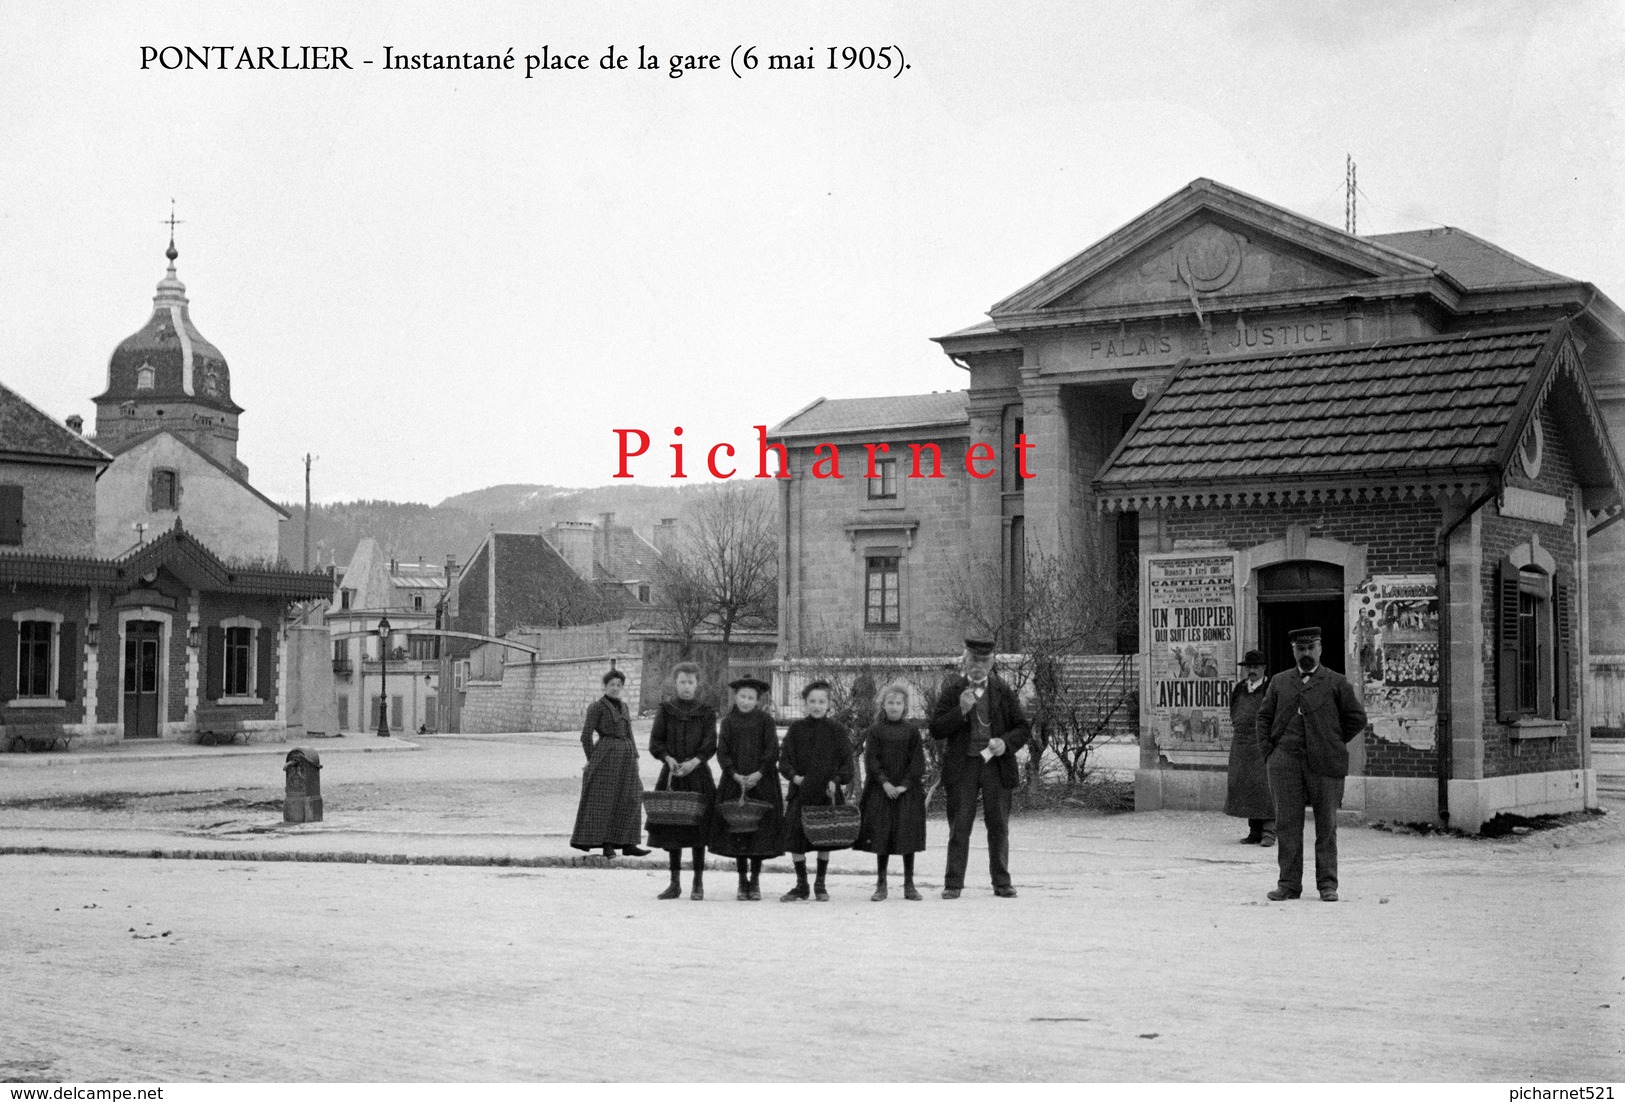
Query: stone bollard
point(302, 802)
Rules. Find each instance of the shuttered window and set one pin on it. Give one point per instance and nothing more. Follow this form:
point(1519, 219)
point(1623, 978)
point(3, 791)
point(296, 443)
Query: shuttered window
point(1534, 643)
point(11, 515)
point(35, 657)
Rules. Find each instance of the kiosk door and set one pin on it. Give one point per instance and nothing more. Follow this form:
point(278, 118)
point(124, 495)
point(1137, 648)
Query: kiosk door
point(1300, 594)
point(142, 672)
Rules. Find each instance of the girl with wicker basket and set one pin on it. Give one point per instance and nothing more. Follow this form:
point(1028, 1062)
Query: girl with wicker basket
point(816, 759)
point(894, 790)
point(750, 800)
point(684, 737)
point(609, 815)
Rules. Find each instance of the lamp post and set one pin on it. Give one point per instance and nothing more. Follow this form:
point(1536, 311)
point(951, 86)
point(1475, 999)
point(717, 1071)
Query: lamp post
point(383, 677)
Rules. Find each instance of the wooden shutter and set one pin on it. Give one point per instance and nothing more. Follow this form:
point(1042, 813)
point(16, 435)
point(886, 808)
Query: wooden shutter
point(214, 664)
point(397, 711)
point(1563, 648)
point(11, 520)
point(1506, 643)
point(67, 661)
point(8, 659)
point(264, 677)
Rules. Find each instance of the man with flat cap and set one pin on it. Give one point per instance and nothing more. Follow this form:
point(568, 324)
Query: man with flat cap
point(980, 723)
point(1308, 717)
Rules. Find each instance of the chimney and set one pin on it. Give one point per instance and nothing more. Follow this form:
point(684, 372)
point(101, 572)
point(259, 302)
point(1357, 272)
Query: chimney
point(77, 424)
point(1353, 320)
point(573, 540)
point(451, 588)
point(665, 534)
point(606, 522)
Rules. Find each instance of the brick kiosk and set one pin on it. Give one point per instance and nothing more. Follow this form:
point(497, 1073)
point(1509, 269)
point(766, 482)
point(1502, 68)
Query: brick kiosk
point(1427, 503)
point(133, 648)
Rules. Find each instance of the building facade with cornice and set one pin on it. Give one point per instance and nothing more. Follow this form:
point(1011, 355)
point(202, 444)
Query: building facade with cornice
point(1248, 420)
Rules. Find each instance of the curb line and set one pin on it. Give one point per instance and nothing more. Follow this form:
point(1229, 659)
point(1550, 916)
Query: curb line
point(355, 858)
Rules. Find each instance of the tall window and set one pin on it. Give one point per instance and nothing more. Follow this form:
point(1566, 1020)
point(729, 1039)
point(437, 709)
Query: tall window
point(239, 661)
point(881, 606)
point(884, 485)
point(417, 602)
point(34, 654)
point(165, 491)
point(345, 597)
point(11, 515)
point(1535, 645)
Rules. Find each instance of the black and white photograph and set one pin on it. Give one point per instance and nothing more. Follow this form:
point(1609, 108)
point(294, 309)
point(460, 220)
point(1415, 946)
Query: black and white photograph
point(833, 543)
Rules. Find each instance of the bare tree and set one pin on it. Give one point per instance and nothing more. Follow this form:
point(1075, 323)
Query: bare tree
point(731, 544)
point(685, 602)
point(1068, 605)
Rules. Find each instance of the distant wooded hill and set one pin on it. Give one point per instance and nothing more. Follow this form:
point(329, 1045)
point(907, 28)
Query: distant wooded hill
point(408, 530)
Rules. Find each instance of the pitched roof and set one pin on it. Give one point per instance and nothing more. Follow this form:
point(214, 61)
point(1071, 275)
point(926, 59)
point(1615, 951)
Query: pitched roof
point(1471, 261)
point(119, 447)
point(29, 434)
point(1399, 412)
point(827, 416)
point(181, 552)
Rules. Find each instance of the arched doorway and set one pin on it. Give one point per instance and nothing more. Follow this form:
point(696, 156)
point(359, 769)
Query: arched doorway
point(1297, 594)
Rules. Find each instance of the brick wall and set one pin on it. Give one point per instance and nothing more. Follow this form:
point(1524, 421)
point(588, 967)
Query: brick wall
point(543, 696)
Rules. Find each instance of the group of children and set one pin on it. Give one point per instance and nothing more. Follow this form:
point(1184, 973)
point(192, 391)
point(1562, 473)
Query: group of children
point(815, 759)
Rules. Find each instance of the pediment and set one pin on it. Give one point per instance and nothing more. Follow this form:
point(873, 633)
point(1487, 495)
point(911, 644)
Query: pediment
point(1216, 244)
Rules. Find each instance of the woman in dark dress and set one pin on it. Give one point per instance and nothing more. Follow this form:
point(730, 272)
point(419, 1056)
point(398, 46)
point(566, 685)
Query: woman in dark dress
point(610, 815)
point(816, 759)
point(748, 754)
point(1247, 791)
point(893, 790)
point(684, 737)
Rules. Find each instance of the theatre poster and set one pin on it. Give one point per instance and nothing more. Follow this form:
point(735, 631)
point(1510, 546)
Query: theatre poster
point(1190, 617)
point(1395, 618)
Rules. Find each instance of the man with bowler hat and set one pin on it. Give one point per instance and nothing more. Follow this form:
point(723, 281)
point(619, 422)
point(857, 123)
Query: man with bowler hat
point(1308, 717)
point(1247, 791)
point(980, 723)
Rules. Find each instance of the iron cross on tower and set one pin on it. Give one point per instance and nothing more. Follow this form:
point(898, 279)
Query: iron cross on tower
point(172, 222)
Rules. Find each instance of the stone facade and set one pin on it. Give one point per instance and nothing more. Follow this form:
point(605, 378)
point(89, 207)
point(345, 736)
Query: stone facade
point(59, 507)
point(213, 503)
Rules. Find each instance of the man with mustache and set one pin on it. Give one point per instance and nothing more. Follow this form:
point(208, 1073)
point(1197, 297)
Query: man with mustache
point(1308, 717)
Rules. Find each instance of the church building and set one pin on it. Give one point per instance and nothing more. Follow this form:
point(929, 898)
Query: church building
point(167, 418)
point(1246, 421)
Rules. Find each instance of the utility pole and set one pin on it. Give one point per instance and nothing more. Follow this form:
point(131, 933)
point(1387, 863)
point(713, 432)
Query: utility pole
point(308, 458)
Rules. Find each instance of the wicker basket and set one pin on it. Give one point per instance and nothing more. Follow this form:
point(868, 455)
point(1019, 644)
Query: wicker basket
point(833, 827)
point(663, 807)
point(743, 816)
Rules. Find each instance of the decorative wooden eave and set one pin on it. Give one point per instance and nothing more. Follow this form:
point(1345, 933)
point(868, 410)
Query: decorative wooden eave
point(1411, 486)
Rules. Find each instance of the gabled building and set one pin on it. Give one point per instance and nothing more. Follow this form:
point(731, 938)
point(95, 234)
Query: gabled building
point(131, 648)
point(372, 588)
point(614, 558)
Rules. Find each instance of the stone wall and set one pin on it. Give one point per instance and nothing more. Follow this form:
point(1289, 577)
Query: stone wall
point(549, 695)
point(59, 508)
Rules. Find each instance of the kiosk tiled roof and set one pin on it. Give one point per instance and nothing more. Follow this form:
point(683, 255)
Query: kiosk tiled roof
point(1409, 410)
point(830, 416)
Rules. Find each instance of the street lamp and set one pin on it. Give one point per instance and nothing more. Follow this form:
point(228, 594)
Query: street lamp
point(383, 676)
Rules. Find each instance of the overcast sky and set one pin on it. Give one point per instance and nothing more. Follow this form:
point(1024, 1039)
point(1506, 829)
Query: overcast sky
point(439, 281)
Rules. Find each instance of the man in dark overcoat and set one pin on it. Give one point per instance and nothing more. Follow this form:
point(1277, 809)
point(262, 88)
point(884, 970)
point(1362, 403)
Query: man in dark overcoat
point(979, 720)
point(1308, 717)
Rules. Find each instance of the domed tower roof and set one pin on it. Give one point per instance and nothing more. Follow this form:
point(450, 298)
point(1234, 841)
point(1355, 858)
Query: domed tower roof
point(168, 358)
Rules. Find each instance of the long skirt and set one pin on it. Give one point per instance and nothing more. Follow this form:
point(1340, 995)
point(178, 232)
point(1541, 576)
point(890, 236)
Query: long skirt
point(611, 808)
point(892, 826)
point(686, 837)
point(1247, 793)
point(767, 839)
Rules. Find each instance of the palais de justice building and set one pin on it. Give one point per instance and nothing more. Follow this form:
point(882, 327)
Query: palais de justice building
point(1254, 421)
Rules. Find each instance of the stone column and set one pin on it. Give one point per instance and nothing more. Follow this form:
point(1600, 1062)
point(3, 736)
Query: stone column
point(1465, 655)
point(1049, 493)
point(194, 622)
point(984, 499)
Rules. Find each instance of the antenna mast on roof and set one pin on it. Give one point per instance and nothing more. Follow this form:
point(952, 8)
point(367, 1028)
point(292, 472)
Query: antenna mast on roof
point(1349, 211)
